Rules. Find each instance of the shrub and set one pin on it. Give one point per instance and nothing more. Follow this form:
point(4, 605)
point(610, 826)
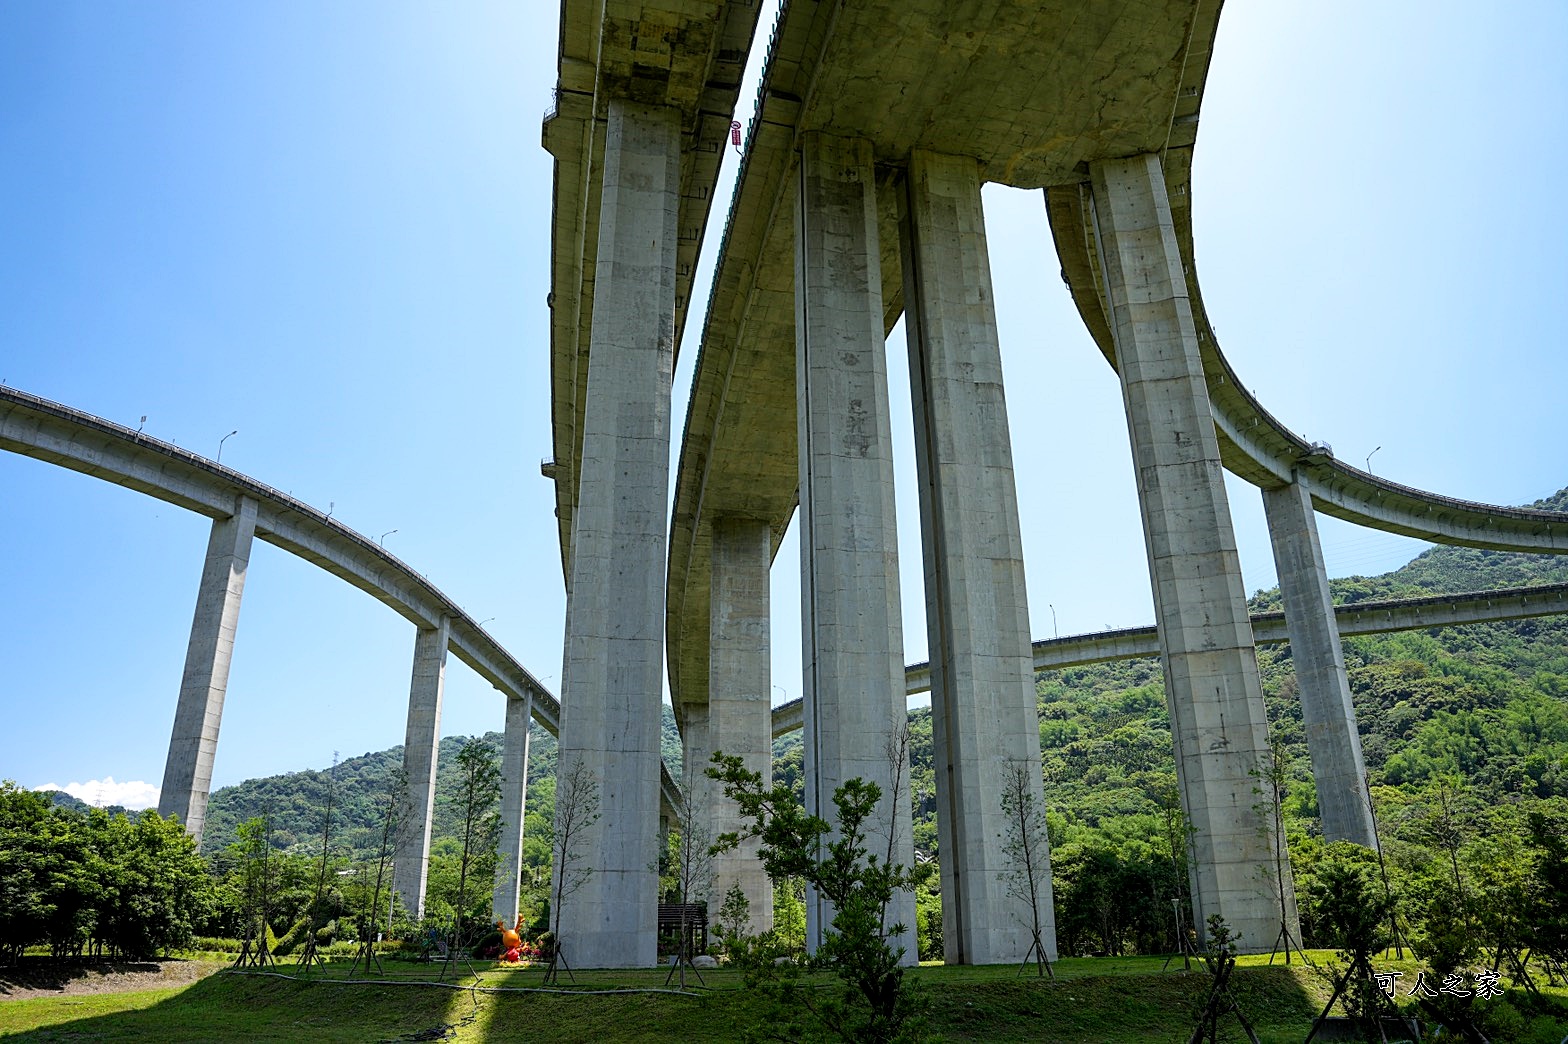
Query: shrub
point(293, 939)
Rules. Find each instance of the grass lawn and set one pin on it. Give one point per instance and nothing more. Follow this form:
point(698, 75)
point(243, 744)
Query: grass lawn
point(1104, 1000)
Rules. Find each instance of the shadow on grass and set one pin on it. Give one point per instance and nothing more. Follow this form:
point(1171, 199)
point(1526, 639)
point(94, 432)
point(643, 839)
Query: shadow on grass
point(1113, 1000)
point(1104, 1001)
point(45, 973)
point(230, 1007)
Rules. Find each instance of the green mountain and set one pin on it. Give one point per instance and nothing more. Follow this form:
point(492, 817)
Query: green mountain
point(295, 800)
point(1503, 687)
point(63, 800)
point(1483, 708)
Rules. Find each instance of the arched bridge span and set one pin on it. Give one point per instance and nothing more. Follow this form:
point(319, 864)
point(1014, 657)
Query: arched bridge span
point(36, 427)
point(1370, 617)
point(739, 449)
point(1257, 446)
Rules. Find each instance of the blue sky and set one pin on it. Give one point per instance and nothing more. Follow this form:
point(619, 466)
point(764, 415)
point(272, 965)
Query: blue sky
point(326, 226)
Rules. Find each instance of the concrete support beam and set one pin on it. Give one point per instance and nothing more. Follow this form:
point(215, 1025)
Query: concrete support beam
point(412, 854)
point(1333, 742)
point(983, 716)
point(193, 742)
point(852, 663)
point(739, 714)
point(1211, 673)
point(514, 804)
point(613, 674)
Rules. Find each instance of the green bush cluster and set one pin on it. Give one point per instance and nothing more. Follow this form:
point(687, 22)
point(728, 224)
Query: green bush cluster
point(293, 938)
point(90, 882)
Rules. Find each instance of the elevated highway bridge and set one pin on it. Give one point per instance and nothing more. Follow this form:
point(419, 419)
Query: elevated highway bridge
point(243, 508)
point(690, 58)
point(857, 203)
point(739, 445)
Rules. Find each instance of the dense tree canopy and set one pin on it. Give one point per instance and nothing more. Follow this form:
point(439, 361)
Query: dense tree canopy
point(109, 884)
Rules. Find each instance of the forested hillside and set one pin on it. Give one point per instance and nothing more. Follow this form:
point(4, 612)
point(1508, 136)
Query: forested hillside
point(295, 799)
point(1469, 720)
point(1472, 717)
point(1468, 725)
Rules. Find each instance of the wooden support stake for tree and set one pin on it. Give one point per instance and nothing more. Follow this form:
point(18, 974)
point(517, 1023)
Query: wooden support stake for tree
point(1220, 961)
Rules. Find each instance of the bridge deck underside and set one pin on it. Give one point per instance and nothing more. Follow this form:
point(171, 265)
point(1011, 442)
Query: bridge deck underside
point(1034, 92)
point(687, 54)
point(1035, 96)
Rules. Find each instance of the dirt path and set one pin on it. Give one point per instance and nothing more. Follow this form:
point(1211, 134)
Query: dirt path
point(47, 979)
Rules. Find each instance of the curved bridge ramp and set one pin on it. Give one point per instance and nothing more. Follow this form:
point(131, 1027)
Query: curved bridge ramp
point(35, 427)
point(874, 125)
point(739, 445)
point(1381, 617)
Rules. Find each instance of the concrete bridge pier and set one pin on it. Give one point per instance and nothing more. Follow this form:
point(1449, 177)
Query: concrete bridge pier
point(411, 856)
point(984, 718)
point(1220, 730)
point(612, 679)
point(193, 742)
point(738, 718)
point(1333, 742)
point(853, 658)
point(514, 804)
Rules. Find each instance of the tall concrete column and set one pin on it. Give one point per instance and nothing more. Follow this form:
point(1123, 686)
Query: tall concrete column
point(1333, 743)
point(193, 742)
point(740, 712)
point(1218, 721)
point(411, 855)
point(853, 660)
point(983, 710)
point(613, 675)
point(514, 804)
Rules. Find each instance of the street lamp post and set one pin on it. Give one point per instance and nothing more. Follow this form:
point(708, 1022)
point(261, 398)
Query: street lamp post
point(221, 441)
point(382, 539)
point(1369, 460)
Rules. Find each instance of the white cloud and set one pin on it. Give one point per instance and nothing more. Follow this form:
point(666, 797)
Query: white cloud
point(133, 794)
